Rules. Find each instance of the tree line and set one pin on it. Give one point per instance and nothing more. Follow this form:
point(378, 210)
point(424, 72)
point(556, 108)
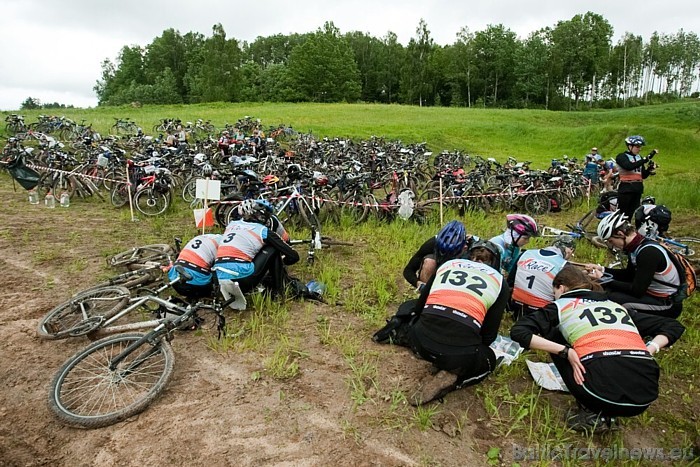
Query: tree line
point(572, 65)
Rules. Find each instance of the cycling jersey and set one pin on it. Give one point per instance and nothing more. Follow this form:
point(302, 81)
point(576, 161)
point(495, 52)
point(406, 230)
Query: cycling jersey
point(463, 291)
point(669, 275)
point(621, 377)
point(596, 328)
point(509, 251)
point(630, 167)
point(240, 242)
point(197, 257)
point(534, 275)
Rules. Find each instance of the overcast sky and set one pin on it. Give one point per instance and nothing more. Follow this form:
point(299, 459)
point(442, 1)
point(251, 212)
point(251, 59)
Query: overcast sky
point(52, 49)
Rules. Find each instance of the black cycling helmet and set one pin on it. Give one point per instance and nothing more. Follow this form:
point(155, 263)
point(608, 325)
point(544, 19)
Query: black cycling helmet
point(491, 248)
point(649, 200)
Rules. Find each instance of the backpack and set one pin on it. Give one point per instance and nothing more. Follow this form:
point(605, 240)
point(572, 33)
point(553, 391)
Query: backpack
point(28, 178)
point(554, 205)
point(686, 272)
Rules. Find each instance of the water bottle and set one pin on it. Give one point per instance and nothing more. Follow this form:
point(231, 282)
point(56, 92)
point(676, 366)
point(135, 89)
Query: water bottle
point(316, 287)
point(33, 197)
point(50, 200)
point(65, 200)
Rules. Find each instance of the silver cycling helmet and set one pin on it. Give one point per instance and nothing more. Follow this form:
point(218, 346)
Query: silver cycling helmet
point(611, 224)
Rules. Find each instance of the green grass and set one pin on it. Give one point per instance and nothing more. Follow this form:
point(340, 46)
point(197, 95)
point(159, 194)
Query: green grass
point(366, 278)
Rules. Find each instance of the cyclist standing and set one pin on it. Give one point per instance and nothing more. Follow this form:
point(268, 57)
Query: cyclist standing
point(632, 169)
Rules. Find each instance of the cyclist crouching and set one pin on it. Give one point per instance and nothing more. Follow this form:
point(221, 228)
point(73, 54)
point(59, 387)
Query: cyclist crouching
point(248, 251)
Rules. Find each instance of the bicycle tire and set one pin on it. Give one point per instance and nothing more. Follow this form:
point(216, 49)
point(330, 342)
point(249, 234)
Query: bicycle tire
point(189, 190)
point(86, 393)
point(537, 204)
point(119, 196)
point(156, 252)
point(67, 320)
point(309, 217)
point(151, 202)
point(356, 207)
point(498, 202)
point(65, 184)
point(329, 212)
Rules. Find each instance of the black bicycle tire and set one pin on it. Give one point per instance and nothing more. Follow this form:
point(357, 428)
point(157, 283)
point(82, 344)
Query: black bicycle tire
point(107, 381)
point(65, 314)
point(68, 184)
point(119, 195)
point(153, 252)
point(153, 194)
point(537, 204)
point(188, 193)
point(358, 212)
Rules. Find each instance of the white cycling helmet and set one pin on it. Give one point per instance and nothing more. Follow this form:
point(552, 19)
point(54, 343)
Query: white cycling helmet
point(611, 224)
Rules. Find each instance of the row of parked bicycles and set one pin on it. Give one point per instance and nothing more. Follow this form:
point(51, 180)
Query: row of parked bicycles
point(313, 179)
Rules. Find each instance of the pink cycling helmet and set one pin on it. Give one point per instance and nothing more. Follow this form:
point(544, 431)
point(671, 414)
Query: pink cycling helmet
point(522, 224)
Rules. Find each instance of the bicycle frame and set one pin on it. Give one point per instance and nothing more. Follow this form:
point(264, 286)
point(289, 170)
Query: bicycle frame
point(298, 197)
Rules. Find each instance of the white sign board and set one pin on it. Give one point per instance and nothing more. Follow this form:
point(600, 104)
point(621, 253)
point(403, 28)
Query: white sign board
point(208, 189)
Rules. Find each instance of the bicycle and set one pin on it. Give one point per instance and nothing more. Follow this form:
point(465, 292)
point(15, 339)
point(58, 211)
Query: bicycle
point(318, 242)
point(159, 254)
point(119, 376)
point(577, 232)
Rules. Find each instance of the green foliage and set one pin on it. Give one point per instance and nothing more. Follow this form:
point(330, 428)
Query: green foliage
point(555, 68)
point(323, 68)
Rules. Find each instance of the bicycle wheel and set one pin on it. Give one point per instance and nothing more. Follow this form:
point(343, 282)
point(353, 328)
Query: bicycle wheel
point(189, 190)
point(498, 202)
point(329, 211)
point(83, 313)
point(119, 195)
point(86, 392)
point(65, 184)
point(537, 204)
point(157, 253)
point(151, 202)
point(134, 279)
point(356, 207)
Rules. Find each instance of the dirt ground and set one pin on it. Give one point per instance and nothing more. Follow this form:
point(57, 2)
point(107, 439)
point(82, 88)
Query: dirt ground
point(213, 411)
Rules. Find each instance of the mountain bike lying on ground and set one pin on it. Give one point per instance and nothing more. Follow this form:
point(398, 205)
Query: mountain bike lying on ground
point(102, 304)
point(317, 242)
point(119, 376)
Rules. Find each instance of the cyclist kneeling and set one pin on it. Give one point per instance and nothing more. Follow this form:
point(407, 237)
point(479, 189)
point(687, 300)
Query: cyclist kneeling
point(197, 258)
point(650, 279)
point(248, 251)
point(422, 265)
point(598, 348)
point(532, 288)
point(652, 220)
